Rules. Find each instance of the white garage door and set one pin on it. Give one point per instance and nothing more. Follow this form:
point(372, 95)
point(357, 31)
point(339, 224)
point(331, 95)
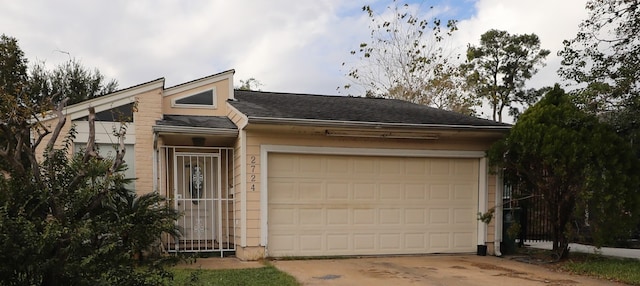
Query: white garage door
point(364, 205)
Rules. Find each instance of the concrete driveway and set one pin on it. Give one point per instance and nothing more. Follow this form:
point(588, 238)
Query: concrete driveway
point(427, 270)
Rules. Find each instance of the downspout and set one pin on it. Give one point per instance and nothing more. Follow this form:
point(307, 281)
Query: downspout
point(497, 238)
point(155, 162)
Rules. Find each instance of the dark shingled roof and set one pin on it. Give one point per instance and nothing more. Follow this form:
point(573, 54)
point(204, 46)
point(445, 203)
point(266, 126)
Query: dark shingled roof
point(197, 121)
point(349, 109)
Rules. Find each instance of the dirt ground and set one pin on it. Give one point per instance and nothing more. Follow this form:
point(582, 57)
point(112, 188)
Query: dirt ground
point(428, 270)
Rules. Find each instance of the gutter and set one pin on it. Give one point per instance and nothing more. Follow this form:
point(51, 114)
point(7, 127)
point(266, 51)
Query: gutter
point(195, 130)
point(362, 124)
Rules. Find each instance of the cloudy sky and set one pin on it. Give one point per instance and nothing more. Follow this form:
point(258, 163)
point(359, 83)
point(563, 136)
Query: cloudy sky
point(288, 45)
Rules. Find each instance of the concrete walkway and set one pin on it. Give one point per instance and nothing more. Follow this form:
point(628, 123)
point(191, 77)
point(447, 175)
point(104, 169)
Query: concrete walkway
point(607, 251)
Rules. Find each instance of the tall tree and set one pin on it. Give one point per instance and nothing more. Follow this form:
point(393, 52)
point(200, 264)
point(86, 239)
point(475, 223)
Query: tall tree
point(69, 79)
point(13, 65)
point(67, 219)
point(603, 60)
point(605, 54)
point(406, 57)
point(500, 66)
point(575, 163)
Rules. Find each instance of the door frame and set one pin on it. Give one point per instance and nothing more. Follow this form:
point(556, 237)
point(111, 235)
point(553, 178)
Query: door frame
point(216, 192)
point(266, 149)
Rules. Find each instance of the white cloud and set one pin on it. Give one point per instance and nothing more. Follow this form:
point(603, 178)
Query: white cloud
point(288, 45)
point(553, 21)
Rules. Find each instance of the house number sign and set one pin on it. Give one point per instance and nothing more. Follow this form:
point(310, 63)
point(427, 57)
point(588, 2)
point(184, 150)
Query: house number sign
point(252, 174)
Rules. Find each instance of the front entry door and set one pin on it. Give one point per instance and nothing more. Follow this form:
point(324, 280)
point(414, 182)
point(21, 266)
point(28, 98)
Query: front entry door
point(196, 186)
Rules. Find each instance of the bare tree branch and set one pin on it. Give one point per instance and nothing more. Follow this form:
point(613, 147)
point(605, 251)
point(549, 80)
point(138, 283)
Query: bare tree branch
point(90, 151)
point(119, 159)
point(61, 121)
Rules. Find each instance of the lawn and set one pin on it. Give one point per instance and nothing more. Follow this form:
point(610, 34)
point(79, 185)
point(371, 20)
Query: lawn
point(614, 269)
point(266, 276)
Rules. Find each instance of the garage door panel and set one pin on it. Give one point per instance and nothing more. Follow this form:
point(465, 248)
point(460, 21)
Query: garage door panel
point(338, 165)
point(363, 217)
point(415, 241)
point(338, 242)
point(464, 168)
point(390, 242)
point(439, 191)
point(389, 216)
point(439, 241)
point(364, 167)
point(364, 242)
point(311, 191)
point(309, 165)
point(424, 206)
point(337, 190)
point(311, 216)
point(391, 192)
point(311, 242)
point(415, 191)
point(463, 216)
point(336, 217)
point(438, 216)
point(440, 167)
point(463, 191)
point(461, 240)
point(364, 191)
point(283, 215)
point(415, 216)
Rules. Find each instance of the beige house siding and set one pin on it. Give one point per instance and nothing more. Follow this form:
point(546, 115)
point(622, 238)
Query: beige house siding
point(149, 110)
point(221, 89)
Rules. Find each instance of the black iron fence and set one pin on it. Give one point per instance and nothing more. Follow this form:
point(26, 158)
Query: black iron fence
point(530, 212)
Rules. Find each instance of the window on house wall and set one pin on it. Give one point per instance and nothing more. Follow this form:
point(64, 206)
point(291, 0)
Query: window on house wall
point(109, 151)
point(123, 113)
point(205, 99)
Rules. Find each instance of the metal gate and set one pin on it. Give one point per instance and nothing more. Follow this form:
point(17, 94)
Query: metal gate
point(198, 183)
point(530, 212)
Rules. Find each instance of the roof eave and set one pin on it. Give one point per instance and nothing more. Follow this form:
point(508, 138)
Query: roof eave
point(223, 132)
point(363, 124)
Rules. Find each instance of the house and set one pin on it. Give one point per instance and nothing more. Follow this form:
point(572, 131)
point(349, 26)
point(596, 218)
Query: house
point(279, 174)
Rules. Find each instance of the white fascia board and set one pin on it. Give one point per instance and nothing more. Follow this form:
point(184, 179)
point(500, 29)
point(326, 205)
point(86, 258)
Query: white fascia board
point(244, 116)
point(110, 101)
point(363, 124)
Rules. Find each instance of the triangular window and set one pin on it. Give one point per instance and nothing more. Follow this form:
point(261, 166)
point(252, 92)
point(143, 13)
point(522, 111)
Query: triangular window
point(123, 113)
point(205, 99)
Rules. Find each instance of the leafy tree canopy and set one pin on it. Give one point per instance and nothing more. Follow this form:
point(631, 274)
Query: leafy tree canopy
point(498, 68)
point(605, 54)
point(407, 58)
point(67, 219)
point(603, 60)
point(575, 163)
point(249, 84)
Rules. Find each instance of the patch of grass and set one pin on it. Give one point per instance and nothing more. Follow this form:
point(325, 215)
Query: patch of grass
point(614, 269)
point(268, 275)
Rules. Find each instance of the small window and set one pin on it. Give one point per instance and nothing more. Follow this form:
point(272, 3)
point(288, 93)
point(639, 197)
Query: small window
point(205, 99)
point(123, 113)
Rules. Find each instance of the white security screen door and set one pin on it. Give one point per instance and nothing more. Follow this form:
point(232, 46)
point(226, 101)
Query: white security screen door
point(196, 185)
